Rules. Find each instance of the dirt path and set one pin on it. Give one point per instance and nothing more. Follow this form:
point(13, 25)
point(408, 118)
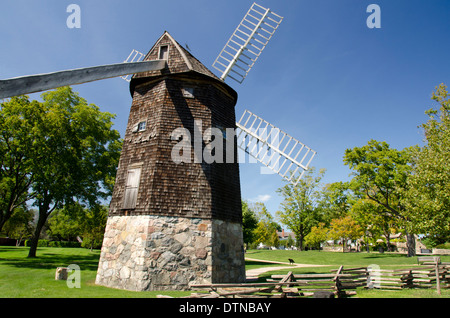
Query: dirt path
point(254, 273)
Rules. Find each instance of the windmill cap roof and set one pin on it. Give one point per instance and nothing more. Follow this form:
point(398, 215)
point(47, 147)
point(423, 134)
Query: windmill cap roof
point(179, 61)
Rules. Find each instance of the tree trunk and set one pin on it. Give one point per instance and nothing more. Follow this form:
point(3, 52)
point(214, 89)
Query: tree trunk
point(411, 244)
point(388, 242)
point(299, 239)
point(40, 224)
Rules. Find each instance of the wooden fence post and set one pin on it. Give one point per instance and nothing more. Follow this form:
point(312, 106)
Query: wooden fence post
point(337, 283)
point(438, 284)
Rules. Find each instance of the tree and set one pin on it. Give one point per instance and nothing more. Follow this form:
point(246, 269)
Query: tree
point(266, 227)
point(75, 221)
point(374, 219)
point(274, 239)
point(94, 224)
point(299, 207)
point(249, 223)
point(66, 223)
point(379, 174)
point(19, 226)
point(427, 197)
point(71, 152)
point(317, 235)
point(18, 117)
point(345, 229)
point(335, 201)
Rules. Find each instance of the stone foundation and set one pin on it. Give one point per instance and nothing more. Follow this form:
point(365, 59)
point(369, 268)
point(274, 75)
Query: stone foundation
point(168, 253)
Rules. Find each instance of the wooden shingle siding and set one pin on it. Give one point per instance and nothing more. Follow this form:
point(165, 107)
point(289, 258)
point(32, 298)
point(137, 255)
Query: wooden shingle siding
point(166, 187)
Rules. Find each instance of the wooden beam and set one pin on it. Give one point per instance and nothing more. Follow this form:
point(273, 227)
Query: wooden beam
point(438, 284)
point(42, 82)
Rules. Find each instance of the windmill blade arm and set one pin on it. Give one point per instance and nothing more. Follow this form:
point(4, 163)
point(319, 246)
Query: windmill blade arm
point(255, 30)
point(285, 151)
point(41, 82)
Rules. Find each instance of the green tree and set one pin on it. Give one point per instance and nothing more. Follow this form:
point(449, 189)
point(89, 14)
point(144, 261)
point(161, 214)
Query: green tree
point(379, 174)
point(66, 223)
point(71, 151)
point(20, 225)
point(94, 224)
point(335, 201)
point(18, 117)
point(317, 235)
point(375, 219)
point(427, 197)
point(274, 239)
point(74, 221)
point(299, 207)
point(249, 223)
point(266, 227)
point(290, 242)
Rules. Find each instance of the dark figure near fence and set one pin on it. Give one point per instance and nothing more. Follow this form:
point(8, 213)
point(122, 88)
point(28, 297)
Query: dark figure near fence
point(291, 261)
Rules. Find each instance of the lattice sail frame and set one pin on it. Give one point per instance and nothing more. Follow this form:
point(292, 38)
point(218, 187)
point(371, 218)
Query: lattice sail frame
point(247, 42)
point(277, 150)
point(135, 56)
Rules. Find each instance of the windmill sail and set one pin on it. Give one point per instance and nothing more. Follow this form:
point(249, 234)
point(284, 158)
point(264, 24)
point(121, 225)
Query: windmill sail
point(247, 42)
point(272, 147)
point(38, 83)
point(135, 56)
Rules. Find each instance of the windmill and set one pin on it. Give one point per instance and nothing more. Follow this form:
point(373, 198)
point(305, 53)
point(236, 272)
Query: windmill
point(152, 243)
point(234, 61)
point(272, 147)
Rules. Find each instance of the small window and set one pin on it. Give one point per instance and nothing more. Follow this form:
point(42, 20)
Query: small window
point(142, 126)
point(188, 92)
point(163, 52)
point(131, 189)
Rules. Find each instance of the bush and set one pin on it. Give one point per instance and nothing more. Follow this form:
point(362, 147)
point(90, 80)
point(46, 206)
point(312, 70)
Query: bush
point(89, 243)
point(443, 246)
point(47, 243)
point(379, 245)
point(64, 244)
point(41, 243)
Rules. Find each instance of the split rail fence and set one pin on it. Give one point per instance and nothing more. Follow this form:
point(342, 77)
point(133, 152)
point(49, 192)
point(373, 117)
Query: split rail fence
point(339, 283)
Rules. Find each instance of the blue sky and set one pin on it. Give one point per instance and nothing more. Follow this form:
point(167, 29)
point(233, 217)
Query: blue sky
point(325, 78)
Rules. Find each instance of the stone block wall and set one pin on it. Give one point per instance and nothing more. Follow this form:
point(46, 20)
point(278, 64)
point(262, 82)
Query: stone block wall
point(142, 253)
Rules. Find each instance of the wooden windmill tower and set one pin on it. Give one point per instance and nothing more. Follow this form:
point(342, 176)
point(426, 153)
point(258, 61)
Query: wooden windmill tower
point(175, 216)
point(172, 223)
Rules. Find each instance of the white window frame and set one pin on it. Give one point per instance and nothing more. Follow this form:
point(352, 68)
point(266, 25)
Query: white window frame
point(166, 53)
point(140, 124)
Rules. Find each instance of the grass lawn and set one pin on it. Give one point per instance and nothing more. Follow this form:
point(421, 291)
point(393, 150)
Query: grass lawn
point(336, 258)
point(21, 277)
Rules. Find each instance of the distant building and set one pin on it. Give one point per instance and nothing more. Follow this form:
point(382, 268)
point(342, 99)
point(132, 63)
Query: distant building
point(284, 236)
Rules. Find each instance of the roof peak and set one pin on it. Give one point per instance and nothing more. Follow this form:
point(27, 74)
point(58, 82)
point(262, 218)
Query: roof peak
point(179, 61)
point(182, 62)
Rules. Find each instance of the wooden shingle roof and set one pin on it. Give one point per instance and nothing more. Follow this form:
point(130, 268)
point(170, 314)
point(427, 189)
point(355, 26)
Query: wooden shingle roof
point(179, 61)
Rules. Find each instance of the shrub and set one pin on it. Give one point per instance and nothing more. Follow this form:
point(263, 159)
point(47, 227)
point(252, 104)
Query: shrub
point(443, 246)
point(92, 244)
point(47, 243)
point(64, 244)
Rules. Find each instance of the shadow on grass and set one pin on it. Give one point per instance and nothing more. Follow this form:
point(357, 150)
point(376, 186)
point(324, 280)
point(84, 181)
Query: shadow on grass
point(48, 260)
point(259, 264)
